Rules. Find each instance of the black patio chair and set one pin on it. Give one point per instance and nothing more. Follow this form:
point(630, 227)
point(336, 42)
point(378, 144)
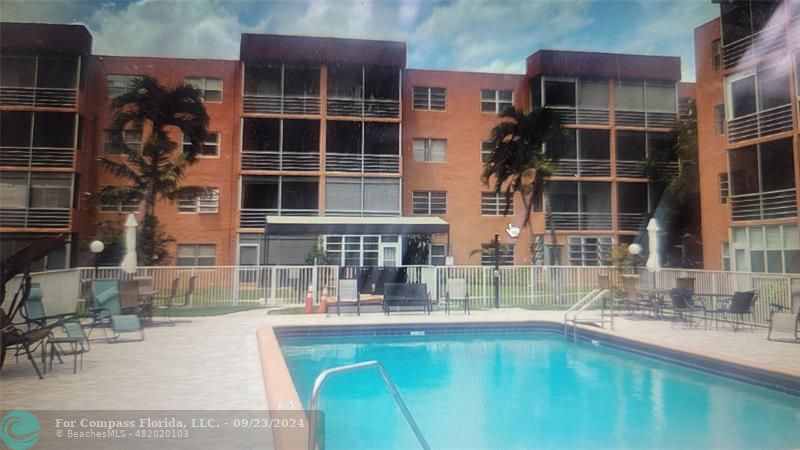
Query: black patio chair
point(684, 308)
point(735, 309)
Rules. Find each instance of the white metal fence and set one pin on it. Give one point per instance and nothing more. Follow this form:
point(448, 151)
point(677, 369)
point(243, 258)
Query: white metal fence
point(527, 286)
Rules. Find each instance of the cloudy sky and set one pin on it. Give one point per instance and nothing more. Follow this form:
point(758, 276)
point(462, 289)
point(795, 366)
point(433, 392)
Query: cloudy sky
point(481, 35)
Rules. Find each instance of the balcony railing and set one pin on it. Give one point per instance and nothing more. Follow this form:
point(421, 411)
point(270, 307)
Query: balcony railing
point(358, 107)
point(580, 116)
point(582, 167)
point(256, 218)
point(276, 104)
point(630, 221)
point(367, 163)
point(645, 119)
point(631, 169)
point(764, 205)
point(300, 161)
point(749, 49)
point(578, 221)
point(36, 157)
point(762, 123)
point(42, 97)
point(361, 213)
point(34, 218)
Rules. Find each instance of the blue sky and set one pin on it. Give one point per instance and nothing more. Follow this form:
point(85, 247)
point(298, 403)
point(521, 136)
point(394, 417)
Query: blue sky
point(478, 35)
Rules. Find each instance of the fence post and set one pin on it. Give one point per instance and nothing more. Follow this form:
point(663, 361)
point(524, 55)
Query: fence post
point(315, 297)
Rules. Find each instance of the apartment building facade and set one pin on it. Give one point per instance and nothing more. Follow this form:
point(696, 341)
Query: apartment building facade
point(747, 109)
point(335, 144)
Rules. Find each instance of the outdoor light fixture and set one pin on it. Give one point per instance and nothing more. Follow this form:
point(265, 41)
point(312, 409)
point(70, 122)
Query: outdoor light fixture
point(634, 249)
point(96, 247)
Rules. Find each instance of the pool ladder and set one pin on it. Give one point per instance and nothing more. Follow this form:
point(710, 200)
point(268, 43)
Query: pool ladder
point(584, 303)
point(387, 380)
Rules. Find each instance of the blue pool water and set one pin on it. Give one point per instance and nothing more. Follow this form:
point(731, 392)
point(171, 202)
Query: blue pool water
point(532, 390)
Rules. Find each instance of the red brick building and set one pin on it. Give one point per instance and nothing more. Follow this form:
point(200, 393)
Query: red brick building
point(335, 143)
point(747, 110)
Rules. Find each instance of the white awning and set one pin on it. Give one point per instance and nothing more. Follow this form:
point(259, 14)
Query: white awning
point(301, 225)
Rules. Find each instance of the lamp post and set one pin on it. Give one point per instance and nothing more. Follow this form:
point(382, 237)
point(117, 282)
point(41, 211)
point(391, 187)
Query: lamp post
point(634, 250)
point(96, 247)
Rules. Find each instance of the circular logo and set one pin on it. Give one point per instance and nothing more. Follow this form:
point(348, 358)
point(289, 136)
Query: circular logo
point(20, 430)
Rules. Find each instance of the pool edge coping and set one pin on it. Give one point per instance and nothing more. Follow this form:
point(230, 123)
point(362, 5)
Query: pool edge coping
point(282, 394)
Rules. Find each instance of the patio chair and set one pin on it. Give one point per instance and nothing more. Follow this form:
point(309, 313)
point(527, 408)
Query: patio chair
point(165, 303)
point(188, 296)
point(106, 307)
point(456, 293)
point(783, 319)
point(393, 294)
point(406, 296)
point(683, 307)
point(76, 340)
point(633, 299)
point(34, 313)
point(736, 307)
point(347, 295)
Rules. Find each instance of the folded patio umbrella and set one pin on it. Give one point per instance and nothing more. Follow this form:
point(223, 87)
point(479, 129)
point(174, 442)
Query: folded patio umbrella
point(129, 262)
point(653, 264)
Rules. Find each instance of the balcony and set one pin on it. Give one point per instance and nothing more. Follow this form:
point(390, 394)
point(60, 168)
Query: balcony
point(750, 49)
point(630, 221)
point(358, 107)
point(582, 167)
point(34, 218)
point(350, 162)
point(578, 221)
point(638, 169)
point(38, 97)
point(276, 104)
point(299, 161)
point(763, 123)
point(256, 218)
point(764, 205)
point(582, 116)
point(645, 119)
point(36, 157)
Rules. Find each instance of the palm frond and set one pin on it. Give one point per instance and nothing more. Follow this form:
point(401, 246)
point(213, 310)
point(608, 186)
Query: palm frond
point(120, 170)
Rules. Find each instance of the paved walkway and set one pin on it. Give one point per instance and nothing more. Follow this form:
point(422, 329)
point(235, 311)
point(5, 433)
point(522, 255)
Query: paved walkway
point(212, 362)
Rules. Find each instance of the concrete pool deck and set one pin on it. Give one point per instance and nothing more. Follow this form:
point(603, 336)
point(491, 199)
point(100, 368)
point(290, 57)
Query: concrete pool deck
point(213, 362)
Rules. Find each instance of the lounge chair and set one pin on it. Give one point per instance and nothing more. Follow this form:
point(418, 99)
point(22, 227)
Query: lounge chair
point(406, 296)
point(34, 313)
point(106, 307)
point(348, 295)
point(736, 307)
point(165, 303)
point(456, 293)
point(683, 307)
point(783, 319)
point(76, 340)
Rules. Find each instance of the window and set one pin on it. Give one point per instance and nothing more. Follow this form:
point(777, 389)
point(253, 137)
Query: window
point(51, 190)
point(761, 168)
point(290, 194)
point(716, 54)
point(357, 250)
point(559, 93)
point(430, 98)
point(132, 139)
point(770, 248)
point(756, 90)
point(724, 190)
point(438, 255)
point(648, 96)
point(486, 151)
point(196, 255)
point(210, 146)
point(430, 150)
point(39, 71)
point(207, 203)
point(429, 202)
point(211, 88)
point(362, 196)
point(22, 129)
point(494, 204)
point(719, 119)
point(119, 84)
point(589, 251)
point(126, 207)
point(14, 190)
point(496, 101)
point(505, 255)
point(726, 256)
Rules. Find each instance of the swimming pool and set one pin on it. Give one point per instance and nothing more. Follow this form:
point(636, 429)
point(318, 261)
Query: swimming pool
point(531, 389)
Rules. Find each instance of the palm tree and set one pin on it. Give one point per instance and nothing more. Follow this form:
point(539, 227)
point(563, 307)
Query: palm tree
point(517, 162)
point(153, 173)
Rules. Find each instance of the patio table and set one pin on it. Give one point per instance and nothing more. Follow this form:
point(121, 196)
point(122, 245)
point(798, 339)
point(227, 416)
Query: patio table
point(656, 299)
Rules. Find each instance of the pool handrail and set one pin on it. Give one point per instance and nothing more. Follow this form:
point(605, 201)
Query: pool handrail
point(584, 303)
point(572, 309)
point(387, 380)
